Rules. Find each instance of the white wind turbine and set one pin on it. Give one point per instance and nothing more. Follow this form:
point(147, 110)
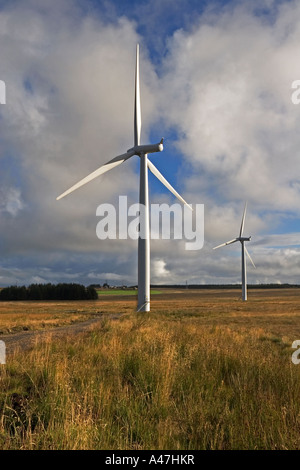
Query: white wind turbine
point(142, 151)
point(241, 239)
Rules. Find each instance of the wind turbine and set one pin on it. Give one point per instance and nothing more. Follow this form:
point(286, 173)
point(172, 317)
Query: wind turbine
point(142, 151)
point(241, 239)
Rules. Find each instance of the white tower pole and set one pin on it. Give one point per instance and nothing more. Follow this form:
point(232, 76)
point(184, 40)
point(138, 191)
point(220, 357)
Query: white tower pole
point(144, 240)
point(244, 274)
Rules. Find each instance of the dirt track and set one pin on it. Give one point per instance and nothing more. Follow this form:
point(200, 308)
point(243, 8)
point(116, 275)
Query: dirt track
point(26, 339)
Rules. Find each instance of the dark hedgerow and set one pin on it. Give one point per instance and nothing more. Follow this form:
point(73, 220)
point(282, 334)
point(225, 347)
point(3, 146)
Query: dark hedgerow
point(49, 291)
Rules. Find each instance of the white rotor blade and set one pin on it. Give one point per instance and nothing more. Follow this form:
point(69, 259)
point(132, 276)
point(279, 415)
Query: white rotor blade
point(249, 256)
point(137, 101)
point(243, 220)
point(103, 169)
point(161, 178)
point(227, 243)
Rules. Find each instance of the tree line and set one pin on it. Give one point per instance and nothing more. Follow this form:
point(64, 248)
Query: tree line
point(49, 291)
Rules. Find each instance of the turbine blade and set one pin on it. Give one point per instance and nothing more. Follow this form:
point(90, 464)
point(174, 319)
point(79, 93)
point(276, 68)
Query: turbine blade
point(103, 169)
point(161, 178)
point(243, 220)
point(137, 100)
point(249, 256)
point(227, 243)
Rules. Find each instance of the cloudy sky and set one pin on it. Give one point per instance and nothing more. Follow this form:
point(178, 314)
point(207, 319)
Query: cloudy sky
point(216, 83)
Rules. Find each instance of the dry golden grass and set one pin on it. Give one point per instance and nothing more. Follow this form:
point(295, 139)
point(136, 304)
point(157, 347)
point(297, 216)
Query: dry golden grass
point(201, 371)
point(20, 316)
point(276, 310)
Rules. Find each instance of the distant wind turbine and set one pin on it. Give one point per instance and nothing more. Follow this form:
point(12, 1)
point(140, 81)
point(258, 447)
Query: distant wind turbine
point(241, 239)
point(142, 151)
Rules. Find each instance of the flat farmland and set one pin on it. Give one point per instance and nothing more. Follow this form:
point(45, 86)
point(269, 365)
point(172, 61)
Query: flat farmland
point(34, 315)
point(202, 370)
point(277, 311)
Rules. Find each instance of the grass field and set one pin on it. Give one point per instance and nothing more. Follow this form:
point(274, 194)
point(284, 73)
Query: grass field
point(203, 370)
point(123, 292)
point(24, 316)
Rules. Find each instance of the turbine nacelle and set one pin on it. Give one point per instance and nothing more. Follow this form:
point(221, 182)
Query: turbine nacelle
point(244, 239)
point(145, 149)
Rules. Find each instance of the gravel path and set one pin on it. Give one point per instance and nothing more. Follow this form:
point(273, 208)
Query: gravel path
point(26, 339)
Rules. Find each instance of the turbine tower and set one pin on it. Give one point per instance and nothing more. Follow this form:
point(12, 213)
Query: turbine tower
point(142, 151)
point(241, 239)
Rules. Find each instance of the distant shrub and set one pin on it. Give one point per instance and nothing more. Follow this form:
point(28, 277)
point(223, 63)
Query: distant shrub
point(49, 291)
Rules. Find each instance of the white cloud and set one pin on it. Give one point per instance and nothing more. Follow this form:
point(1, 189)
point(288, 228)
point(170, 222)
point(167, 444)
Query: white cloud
point(224, 85)
point(11, 201)
point(159, 271)
point(231, 77)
